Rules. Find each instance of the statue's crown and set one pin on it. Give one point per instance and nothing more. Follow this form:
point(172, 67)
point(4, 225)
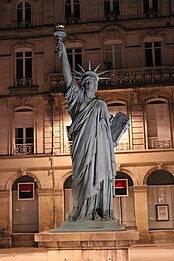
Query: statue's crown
point(89, 72)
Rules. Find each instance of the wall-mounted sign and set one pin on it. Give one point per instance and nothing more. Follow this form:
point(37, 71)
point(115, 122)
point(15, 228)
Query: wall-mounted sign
point(121, 187)
point(26, 191)
point(162, 212)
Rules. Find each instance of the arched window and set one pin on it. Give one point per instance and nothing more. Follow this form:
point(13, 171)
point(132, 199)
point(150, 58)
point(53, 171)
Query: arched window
point(23, 14)
point(25, 205)
point(158, 124)
point(23, 66)
point(113, 109)
point(72, 11)
point(23, 132)
point(160, 199)
point(113, 55)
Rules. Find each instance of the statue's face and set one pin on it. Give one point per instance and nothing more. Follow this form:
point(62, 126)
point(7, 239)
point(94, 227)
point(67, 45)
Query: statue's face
point(90, 84)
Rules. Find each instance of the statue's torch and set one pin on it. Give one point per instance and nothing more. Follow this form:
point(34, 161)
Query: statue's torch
point(59, 34)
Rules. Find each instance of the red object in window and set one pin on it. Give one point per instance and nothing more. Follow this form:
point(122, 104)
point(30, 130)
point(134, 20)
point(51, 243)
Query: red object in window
point(121, 187)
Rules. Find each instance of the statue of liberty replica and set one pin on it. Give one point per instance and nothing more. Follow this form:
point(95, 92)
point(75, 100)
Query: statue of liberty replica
point(93, 133)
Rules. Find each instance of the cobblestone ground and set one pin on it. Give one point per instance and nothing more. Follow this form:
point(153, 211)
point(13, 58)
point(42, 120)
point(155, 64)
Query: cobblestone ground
point(163, 252)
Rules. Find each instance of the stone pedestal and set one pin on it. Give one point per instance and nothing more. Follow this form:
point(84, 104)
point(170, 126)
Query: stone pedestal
point(87, 246)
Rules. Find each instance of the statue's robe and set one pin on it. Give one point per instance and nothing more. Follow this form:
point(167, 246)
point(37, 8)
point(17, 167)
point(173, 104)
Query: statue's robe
point(92, 153)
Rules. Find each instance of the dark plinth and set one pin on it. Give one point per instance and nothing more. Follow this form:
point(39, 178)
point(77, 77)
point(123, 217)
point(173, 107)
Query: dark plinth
point(100, 245)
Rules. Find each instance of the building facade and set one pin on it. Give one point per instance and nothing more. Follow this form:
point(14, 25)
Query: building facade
point(133, 41)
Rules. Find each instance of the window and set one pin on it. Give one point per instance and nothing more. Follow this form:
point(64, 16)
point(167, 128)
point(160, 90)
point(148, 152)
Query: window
point(23, 14)
point(24, 132)
point(124, 141)
point(74, 57)
point(113, 56)
point(150, 8)
point(72, 11)
point(111, 8)
point(153, 54)
point(24, 68)
point(160, 193)
point(158, 125)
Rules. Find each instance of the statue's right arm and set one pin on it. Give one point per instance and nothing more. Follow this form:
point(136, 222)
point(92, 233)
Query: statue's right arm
point(66, 69)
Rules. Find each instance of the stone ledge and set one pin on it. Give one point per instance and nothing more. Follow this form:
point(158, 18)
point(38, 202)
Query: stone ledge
point(87, 240)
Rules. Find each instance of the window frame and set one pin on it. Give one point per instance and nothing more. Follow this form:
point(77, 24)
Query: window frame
point(163, 100)
point(125, 141)
point(24, 126)
point(153, 49)
point(23, 22)
point(74, 46)
point(113, 53)
point(72, 16)
point(24, 81)
point(151, 8)
point(111, 7)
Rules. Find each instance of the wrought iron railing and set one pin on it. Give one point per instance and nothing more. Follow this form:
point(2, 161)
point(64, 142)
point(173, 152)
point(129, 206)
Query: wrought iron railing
point(156, 143)
point(23, 24)
point(120, 147)
point(67, 147)
point(23, 149)
point(153, 143)
point(24, 82)
point(141, 76)
point(123, 146)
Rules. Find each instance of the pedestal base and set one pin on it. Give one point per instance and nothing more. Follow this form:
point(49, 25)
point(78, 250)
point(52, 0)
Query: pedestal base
point(89, 225)
point(88, 246)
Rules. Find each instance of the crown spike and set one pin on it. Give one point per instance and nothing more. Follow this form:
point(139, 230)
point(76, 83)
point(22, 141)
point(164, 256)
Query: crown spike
point(102, 72)
point(77, 72)
point(89, 65)
point(81, 68)
point(97, 68)
point(103, 78)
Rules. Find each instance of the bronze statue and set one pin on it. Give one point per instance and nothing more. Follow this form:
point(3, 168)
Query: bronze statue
point(92, 152)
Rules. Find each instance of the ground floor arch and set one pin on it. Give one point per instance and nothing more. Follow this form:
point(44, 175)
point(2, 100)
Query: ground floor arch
point(124, 199)
point(25, 205)
point(160, 194)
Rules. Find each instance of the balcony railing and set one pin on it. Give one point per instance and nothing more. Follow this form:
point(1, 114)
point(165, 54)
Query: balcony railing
point(23, 24)
point(123, 146)
point(141, 76)
point(120, 147)
point(24, 82)
point(23, 149)
point(155, 143)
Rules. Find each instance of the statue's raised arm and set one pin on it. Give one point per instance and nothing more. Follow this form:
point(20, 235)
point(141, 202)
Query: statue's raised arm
point(66, 69)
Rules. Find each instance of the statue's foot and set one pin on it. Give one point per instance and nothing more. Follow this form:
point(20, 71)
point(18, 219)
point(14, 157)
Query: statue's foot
point(96, 216)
